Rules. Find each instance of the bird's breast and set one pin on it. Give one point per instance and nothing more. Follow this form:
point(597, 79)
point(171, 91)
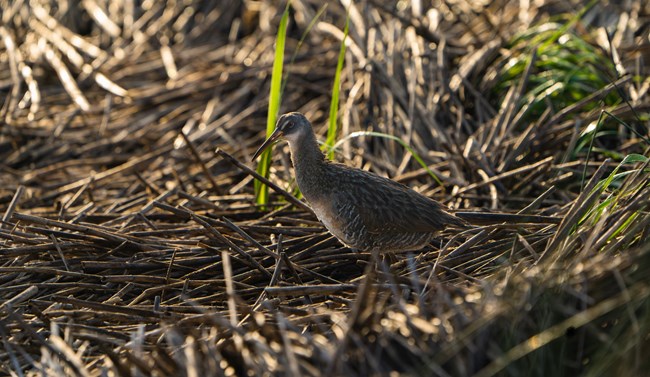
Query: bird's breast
point(326, 213)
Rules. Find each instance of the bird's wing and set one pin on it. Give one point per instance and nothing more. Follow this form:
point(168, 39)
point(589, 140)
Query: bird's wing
point(383, 204)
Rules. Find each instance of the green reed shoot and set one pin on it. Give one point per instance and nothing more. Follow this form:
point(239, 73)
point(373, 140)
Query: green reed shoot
point(275, 94)
point(336, 87)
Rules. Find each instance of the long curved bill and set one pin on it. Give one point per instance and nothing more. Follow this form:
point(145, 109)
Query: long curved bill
point(274, 136)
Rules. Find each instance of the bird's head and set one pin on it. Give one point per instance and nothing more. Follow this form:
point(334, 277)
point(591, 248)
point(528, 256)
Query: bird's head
point(292, 127)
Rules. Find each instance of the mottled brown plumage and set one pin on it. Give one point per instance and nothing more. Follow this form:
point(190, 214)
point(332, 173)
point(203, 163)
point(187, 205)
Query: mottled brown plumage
point(361, 209)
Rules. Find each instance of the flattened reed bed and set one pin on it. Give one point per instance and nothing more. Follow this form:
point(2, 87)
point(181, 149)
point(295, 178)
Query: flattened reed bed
point(129, 238)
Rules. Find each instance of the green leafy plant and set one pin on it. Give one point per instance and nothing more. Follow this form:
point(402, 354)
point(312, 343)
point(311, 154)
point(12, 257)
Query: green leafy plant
point(567, 69)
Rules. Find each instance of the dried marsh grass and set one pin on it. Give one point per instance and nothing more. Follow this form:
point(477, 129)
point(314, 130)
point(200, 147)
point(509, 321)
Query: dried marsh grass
point(130, 243)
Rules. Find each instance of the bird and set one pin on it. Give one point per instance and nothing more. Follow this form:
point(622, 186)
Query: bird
point(363, 210)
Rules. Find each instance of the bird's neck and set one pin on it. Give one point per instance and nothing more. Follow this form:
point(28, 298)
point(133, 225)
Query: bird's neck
point(308, 161)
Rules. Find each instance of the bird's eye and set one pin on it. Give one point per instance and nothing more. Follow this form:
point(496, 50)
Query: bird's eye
point(289, 125)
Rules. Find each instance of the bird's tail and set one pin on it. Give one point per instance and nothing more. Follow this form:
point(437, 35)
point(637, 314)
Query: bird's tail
point(484, 218)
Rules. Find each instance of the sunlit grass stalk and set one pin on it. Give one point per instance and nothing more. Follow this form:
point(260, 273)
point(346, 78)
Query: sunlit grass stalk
point(401, 142)
point(261, 190)
point(336, 87)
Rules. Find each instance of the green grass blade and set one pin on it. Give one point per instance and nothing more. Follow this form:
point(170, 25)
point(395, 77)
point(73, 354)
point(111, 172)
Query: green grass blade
point(390, 137)
point(594, 132)
point(261, 190)
point(614, 175)
point(591, 145)
point(311, 25)
point(630, 128)
point(623, 226)
point(607, 183)
point(334, 104)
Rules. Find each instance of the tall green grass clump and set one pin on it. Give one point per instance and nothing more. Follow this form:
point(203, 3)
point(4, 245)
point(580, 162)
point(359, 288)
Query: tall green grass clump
point(567, 68)
point(275, 94)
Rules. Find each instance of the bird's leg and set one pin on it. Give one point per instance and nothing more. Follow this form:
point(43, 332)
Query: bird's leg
point(390, 257)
